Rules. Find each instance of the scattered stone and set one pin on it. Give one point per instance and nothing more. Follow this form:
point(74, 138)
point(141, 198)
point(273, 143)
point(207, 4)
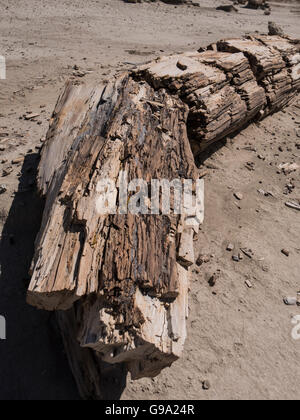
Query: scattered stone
point(249, 284)
point(294, 206)
point(250, 166)
point(256, 4)
point(181, 65)
point(236, 258)
point(31, 117)
point(79, 73)
point(230, 247)
point(250, 148)
point(275, 29)
point(290, 301)
point(3, 189)
point(285, 252)
point(206, 385)
point(239, 196)
point(289, 188)
point(228, 8)
point(18, 160)
point(213, 279)
point(248, 252)
point(202, 259)
point(7, 171)
point(288, 168)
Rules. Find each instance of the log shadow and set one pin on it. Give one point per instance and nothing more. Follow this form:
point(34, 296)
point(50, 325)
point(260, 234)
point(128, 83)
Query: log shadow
point(33, 364)
point(201, 158)
point(33, 361)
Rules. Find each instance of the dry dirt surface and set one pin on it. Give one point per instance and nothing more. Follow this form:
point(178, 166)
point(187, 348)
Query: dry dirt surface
point(240, 338)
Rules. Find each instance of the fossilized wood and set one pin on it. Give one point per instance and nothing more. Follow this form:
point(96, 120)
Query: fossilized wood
point(275, 62)
point(128, 273)
point(95, 379)
point(120, 281)
point(229, 84)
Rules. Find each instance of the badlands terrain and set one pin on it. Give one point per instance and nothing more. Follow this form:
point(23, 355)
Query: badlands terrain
point(239, 339)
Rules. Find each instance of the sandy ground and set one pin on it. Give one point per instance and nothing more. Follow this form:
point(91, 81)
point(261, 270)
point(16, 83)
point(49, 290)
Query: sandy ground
point(239, 337)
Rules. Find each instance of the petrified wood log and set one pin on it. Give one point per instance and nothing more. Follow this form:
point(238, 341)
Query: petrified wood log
point(128, 273)
point(229, 84)
point(120, 280)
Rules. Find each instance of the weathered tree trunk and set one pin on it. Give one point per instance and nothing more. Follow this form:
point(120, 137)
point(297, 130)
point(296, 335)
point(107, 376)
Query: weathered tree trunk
point(229, 84)
point(120, 281)
point(128, 273)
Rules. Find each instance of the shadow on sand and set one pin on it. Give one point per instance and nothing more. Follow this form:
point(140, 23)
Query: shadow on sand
point(33, 362)
point(33, 365)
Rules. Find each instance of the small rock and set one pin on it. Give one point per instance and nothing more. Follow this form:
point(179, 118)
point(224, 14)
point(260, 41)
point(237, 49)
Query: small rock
point(202, 259)
point(213, 279)
point(249, 284)
point(181, 65)
point(275, 29)
point(228, 8)
point(30, 117)
point(18, 160)
point(3, 189)
point(239, 196)
point(285, 252)
point(7, 171)
point(230, 247)
point(248, 252)
point(236, 258)
point(288, 168)
point(290, 301)
point(294, 206)
point(206, 385)
point(250, 166)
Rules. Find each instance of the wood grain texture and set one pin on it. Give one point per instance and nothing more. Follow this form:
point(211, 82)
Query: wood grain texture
point(229, 84)
point(129, 273)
